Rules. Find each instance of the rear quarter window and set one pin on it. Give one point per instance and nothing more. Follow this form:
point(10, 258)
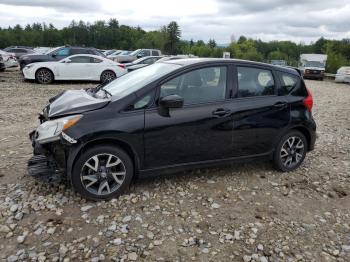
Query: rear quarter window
point(288, 83)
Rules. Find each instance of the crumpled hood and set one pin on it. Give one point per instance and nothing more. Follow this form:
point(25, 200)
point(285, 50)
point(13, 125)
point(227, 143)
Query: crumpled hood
point(73, 102)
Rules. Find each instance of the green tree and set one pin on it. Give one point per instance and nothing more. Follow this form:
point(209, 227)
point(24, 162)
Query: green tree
point(174, 34)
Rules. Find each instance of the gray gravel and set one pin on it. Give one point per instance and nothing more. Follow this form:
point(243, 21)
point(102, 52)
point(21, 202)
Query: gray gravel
point(238, 213)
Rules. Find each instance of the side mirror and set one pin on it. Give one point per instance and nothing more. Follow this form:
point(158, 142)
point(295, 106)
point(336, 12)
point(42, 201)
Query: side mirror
point(172, 101)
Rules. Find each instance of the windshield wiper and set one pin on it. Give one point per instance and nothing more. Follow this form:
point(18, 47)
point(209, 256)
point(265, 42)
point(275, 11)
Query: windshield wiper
point(106, 92)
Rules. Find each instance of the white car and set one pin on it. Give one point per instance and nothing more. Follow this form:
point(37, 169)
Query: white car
point(343, 75)
point(9, 59)
point(75, 67)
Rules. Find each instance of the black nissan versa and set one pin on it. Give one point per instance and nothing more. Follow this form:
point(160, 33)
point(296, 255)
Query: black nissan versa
point(173, 115)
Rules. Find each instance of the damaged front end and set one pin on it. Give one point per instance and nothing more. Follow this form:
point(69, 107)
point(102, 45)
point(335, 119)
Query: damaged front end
point(50, 140)
point(51, 145)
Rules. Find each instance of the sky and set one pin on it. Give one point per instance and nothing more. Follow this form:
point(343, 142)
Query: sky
point(295, 20)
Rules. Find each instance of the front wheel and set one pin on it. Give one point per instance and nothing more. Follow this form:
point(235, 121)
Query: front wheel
point(44, 76)
point(102, 172)
point(290, 151)
point(108, 76)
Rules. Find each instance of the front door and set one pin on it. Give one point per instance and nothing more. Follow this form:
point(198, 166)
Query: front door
point(78, 68)
point(199, 131)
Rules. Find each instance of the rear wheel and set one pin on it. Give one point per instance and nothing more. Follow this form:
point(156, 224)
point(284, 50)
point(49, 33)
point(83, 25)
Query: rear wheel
point(44, 76)
point(102, 172)
point(108, 76)
point(290, 151)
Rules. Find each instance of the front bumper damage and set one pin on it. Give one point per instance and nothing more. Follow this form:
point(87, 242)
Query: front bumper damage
point(49, 160)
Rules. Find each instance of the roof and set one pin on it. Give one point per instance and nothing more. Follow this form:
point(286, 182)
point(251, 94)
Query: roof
point(193, 61)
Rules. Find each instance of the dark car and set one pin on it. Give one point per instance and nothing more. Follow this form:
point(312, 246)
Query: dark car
point(173, 116)
point(19, 50)
point(57, 54)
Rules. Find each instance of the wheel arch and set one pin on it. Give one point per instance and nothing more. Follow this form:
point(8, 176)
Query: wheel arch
point(44, 67)
point(305, 132)
point(73, 155)
point(108, 70)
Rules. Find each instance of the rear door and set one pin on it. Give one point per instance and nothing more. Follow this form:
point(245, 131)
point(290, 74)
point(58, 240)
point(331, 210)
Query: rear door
point(259, 114)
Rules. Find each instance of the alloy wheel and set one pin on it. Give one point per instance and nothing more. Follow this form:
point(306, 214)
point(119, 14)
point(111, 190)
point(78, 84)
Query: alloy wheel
point(292, 151)
point(108, 76)
point(44, 76)
point(103, 174)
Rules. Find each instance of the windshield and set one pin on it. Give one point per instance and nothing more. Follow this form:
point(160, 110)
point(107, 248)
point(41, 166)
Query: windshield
point(139, 60)
point(135, 80)
point(135, 52)
point(314, 64)
point(51, 51)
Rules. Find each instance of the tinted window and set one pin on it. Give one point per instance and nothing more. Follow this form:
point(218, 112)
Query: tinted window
point(76, 51)
point(145, 53)
point(288, 82)
point(255, 82)
point(142, 103)
point(149, 61)
point(80, 59)
point(95, 60)
point(63, 52)
point(202, 85)
point(155, 53)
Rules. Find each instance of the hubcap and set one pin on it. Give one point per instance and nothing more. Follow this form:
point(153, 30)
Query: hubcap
point(292, 151)
point(44, 76)
point(103, 174)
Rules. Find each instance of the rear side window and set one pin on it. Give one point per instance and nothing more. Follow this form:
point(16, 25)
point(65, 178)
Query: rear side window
point(155, 53)
point(146, 53)
point(288, 82)
point(95, 60)
point(80, 59)
point(255, 82)
point(76, 51)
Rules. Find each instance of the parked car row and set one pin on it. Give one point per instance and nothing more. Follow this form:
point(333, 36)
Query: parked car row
point(46, 65)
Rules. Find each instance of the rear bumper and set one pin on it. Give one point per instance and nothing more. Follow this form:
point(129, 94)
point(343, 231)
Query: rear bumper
point(311, 74)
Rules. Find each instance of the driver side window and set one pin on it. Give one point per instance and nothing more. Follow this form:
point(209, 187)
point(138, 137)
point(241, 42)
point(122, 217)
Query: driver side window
point(198, 86)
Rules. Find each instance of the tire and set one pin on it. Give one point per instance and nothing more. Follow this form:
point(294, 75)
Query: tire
point(107, 76)
point(2, 69)
point(44, 76)
point(290, 154)
point(114, 172)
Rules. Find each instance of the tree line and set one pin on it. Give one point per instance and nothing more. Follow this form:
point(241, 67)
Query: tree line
point(111, 34)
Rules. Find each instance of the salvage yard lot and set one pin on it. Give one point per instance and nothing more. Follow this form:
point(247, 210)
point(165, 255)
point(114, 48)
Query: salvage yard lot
point(240, 212)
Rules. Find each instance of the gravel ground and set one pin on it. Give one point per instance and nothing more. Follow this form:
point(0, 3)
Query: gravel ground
point(239, 213)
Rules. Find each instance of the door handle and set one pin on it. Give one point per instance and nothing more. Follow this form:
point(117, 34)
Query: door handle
point(280, 105)
point(220, 112)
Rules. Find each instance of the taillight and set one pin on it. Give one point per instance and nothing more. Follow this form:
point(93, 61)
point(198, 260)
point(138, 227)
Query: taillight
point(122, 66)
point(308, 101)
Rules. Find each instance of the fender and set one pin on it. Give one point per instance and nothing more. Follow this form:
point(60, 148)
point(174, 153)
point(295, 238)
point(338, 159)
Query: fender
point(99, 138)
